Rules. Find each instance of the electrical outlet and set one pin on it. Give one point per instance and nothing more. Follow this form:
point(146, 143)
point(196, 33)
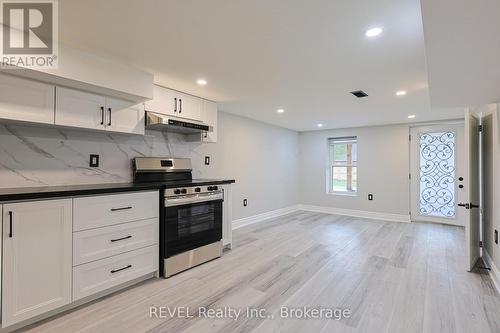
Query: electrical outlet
point(496, 236)
point(207, 160)
point(94, 161)
point(370, 196)
point(245, 202)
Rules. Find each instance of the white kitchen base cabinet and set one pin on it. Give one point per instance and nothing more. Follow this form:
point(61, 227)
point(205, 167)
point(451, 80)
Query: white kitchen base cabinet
point(227, 223)
point(99, 243)
point(104, 210)
point(103, 274)
point(37, 262)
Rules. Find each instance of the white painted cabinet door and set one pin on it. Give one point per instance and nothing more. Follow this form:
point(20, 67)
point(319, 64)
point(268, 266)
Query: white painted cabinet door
point(124, 116)
point(189, 106)
point(37, 263)
point(227, 214)
point(80, 109)
point(209, 116)
point(26, 100)
point(164, 101)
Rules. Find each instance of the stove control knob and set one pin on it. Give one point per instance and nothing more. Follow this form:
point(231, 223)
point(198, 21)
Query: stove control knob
point(177, 191)
point(210, 188)
point(184, 191)
point(215, 188)
point(197, 189)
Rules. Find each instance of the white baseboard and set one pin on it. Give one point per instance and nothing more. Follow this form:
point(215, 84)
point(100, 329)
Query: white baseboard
point(358, 213)
point(319, 209)
point(264, 216)
point(494, 272)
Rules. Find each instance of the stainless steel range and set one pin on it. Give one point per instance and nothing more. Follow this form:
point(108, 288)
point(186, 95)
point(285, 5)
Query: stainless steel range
point(190, 215)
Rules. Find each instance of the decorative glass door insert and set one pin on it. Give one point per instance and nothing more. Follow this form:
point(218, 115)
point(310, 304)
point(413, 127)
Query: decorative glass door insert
point(437, 174)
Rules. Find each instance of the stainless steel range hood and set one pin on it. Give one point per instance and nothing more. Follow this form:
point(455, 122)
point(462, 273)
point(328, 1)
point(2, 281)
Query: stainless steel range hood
point(162, 122)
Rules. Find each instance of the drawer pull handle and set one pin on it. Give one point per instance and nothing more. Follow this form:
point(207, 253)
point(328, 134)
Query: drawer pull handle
point(121, 269)
point(123, 238)
point(122, 208)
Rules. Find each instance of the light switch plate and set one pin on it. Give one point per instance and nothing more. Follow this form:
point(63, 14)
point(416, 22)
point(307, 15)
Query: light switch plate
point(207, 160)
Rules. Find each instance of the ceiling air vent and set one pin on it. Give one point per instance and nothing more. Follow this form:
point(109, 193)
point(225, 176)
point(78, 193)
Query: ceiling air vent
point(359, 93)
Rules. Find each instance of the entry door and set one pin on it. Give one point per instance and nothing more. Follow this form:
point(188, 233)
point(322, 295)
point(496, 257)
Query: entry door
point(471, 204)
point(438, 174)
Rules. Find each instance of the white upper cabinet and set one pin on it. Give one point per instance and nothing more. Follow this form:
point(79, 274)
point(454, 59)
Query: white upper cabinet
point(80, 109)
point(164, 101)
point(37, 260)
point(174, 103)
point(189, 106)
point(124, 116)
point(86, 110)
point(209, 116)
point(26, 100)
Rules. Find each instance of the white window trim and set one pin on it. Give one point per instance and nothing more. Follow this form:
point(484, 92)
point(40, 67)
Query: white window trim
point(330, 143)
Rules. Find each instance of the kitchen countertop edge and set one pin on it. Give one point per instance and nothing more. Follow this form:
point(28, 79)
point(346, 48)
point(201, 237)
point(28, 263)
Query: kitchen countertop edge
point(67, 191)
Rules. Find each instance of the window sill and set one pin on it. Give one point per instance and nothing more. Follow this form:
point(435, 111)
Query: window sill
point(343, 194)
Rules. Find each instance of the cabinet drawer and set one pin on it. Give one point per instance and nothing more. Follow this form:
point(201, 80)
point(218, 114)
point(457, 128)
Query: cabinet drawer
point(100, 211)
point(106, 273)
point(95, 244)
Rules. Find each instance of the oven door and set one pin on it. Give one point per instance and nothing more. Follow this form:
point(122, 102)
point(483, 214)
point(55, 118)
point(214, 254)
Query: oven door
point(189, 226)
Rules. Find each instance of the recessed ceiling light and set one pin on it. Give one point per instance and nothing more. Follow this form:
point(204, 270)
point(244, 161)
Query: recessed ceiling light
point(280, 110)
point(373, 32)
point(411, 116)
point(401, 93)
point(201, 82)
point(320, 125)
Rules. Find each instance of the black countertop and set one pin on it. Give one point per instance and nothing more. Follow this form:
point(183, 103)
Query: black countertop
point(43, 192)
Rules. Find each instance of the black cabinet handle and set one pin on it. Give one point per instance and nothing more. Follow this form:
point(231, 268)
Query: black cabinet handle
point(102, 115)
point(10, 224)
point(120, 269)
point(109, 110)
point(121, 208)
point(119, 239)
point(175, 104)
point(180, 105)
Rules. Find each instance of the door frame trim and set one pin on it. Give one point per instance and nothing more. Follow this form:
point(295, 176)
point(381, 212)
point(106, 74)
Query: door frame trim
point(459, 121)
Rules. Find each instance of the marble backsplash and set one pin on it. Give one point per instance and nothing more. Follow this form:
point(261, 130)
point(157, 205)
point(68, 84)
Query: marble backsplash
point(41, 156)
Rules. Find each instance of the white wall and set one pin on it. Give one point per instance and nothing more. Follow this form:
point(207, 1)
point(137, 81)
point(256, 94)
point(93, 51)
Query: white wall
point(262, 158)
point(491, 182)
point(383, 164)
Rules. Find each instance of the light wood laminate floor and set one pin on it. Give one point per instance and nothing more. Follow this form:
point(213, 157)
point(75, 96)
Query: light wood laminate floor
point(394, 277)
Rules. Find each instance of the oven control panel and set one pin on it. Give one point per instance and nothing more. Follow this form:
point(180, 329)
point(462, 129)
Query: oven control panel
point(172, 192)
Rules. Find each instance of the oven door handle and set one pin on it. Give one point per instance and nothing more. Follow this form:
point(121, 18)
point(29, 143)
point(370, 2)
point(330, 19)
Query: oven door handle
point(190, 199)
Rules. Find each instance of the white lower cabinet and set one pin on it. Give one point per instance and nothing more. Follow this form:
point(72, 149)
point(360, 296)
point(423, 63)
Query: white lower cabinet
point(55, 252)
point(103, 274)
point(95, 244)
point(227, 214)
point(104, 210)
point(37, 263)
point(115, 240)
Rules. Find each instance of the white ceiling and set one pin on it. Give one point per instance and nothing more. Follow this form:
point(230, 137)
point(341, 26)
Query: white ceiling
point(261, 55)
point(463, 51)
